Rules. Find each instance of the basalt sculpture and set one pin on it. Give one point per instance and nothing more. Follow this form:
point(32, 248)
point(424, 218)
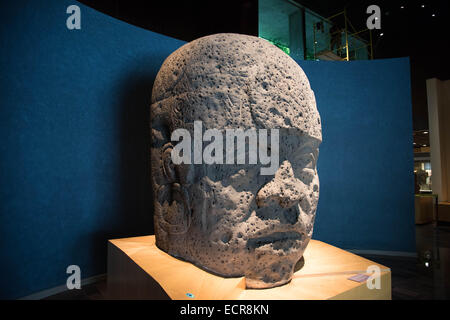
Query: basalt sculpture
point(226, 216)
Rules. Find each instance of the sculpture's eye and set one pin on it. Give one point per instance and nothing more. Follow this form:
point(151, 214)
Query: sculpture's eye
point(306, 160)
point(306, 175)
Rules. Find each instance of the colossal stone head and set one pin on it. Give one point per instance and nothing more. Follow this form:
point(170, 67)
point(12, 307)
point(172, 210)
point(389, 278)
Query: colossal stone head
point(230, 219)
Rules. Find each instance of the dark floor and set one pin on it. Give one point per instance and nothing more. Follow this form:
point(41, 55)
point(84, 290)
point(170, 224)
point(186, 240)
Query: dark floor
point(94, 291)
point(424, 277)
point(428, 275)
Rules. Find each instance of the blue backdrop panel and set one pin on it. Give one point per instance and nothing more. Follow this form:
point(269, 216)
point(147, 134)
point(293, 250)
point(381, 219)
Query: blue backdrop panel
point(366, 159)
point(74, 132)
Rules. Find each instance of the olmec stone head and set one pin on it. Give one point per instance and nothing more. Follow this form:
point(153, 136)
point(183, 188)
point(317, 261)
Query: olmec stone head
point(229, 218)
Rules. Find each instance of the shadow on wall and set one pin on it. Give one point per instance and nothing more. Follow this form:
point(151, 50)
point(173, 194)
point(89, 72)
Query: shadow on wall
point(134, 205)
point(135, 166)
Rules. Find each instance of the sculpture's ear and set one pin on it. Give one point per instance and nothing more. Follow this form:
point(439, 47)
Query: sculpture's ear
point(168, 167)
point(170, 219)
point(162, 167)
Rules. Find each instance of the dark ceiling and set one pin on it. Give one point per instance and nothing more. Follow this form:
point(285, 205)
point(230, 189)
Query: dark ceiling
point(410, 31)
point(184, 20)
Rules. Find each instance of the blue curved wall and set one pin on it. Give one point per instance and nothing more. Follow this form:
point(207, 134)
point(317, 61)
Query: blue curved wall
point(74, 133)
point(366, 159)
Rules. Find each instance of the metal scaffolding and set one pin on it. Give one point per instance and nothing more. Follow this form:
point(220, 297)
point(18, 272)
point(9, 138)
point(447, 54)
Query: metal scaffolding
point(345, 50)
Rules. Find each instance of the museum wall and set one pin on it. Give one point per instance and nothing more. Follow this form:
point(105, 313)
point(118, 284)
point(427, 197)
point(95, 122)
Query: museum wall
point(75, 144)
point(75, 140)
point(366, 158)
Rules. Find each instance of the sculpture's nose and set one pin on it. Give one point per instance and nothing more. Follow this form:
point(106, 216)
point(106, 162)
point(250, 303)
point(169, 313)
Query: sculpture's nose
point(284, 188)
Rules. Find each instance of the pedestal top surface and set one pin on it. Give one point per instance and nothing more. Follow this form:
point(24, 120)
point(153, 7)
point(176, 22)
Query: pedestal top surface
point(324, 275)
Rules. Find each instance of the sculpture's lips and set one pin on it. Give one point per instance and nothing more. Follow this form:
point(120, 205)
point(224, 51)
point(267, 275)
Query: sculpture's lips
point(274, 238)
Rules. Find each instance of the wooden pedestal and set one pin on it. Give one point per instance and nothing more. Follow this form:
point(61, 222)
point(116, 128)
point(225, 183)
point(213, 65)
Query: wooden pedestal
point(425, 209)
point(137, 269)
point(444, 211)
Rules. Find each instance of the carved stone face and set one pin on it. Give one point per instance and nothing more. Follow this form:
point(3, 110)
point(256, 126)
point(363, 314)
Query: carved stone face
point(228, 218)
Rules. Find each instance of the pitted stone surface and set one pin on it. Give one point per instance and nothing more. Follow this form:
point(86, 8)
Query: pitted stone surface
point(229, 219)
point(238, 80)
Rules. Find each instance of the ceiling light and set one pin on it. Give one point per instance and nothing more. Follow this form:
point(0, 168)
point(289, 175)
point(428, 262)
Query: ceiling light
point(423, 6)
point(402, 7)
point(433, 15)
point(425, 132)
point(381, 34)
